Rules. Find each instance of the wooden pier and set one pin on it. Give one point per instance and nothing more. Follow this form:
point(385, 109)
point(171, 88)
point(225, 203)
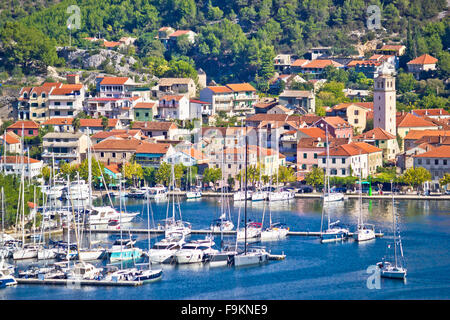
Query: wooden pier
point(74, 283)
point(157, 231)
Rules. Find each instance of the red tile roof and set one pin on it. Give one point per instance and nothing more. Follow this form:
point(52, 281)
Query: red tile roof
point(313, 132)
point(179, 33)
point(172, 97)
point(409, 120)
point(431, 112)
point(321, 64)
point(424, 59)
point(439, 152)
point(18, 159)
point(299, 62)
point(114, 80)
point(144, 105)
point(10, 137)
point(239, 87)
point(129, 144)
point(27, 124)
point(154, 125)
point(367, 105)
point(153, 148)
point(220, 89)
point(376, 134)
point(417, 134)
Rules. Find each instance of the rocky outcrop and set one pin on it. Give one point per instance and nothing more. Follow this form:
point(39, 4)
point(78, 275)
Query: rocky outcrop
point(97, 59)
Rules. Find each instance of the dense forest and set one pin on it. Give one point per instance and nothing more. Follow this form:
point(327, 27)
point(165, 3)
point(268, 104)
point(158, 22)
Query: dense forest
point(237, 39)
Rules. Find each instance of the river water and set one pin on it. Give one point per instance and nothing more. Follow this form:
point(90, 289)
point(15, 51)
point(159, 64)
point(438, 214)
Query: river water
point(311, 270)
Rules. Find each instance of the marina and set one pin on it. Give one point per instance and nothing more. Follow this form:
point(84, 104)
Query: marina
point(297, 267)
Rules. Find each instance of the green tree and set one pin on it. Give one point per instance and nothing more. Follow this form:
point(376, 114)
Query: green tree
point(415, 177)
point(133, 172)
point(315, 177)
point(164, 174)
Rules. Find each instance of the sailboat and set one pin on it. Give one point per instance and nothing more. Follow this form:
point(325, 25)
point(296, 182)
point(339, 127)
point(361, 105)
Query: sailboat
point(224, 223)
point(192, 193)
point(171, 225)
point(364, 231)
point(275, 231)
point(123, 248)
point(334, 232)
point(28, 251)
point(254, 255)
point(329, 196)
point(395, 269)
point(260, 195)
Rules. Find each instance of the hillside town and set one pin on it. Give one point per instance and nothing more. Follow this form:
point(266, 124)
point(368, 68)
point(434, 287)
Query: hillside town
point(199, 123)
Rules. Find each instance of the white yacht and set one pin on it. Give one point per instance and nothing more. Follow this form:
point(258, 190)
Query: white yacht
point(253, 232)
point(260, 196)
point(275, 231)
point(397, 268)
point(193, 194)
point(77, 190)
point(364, 231)
point(333, 196)
point(164, 250)
point(240, 195)
point(102, 215)
point(195, 251)
point(251, 256)
point(84, 271)
point(6, 274)
point(28, 251)
point(157, 193)
point(280, 196)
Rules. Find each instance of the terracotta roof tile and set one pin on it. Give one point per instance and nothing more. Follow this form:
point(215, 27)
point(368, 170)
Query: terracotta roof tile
point(27, 124)
point(439, 152)
point(114, 80)
point(424, 59)
point(239, 87)
point(321, 64)
point(409, 120)
point(376, 134)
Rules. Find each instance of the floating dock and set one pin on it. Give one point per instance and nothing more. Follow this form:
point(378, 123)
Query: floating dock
point(153, 231)
point(74, 283)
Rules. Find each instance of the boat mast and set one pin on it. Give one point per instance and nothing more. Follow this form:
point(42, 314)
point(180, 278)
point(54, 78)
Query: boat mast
point(23, 191)
point(120, 223)
point(245, 199)
point(360, 217)
point(148, 223)
point(3, 213)
point(327, 177)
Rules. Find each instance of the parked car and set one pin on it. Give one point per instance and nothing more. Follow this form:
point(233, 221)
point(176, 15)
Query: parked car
point(305, 189)
point(339, 189)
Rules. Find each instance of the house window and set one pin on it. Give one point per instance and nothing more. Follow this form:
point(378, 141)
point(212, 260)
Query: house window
point(436, 161)
point(229, 166)
point(343, 172)
point(70, 113)
point(30, 131)
point(356, 121)
point(113, 154)
point(303, 166)
point(57, 103)
point(323, 160)
point(124, 155)
point(333, 160)
point(343, 160)
point(315, 155)
point(102, 154)
point(428, 161)
point(356, 112)
point(137, 114)
point(305, 155)
point(57, 113)
point(445, 162)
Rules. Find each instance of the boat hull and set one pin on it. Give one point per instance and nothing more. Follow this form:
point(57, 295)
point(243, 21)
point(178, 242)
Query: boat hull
point(124, 254)
point(241, 260)
point(364, 235)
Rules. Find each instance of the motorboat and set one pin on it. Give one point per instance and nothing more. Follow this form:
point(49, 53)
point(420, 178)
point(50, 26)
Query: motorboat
point(157, 193)
point(84, 271)
point(123, 249)
point(103, 215)
point(6, 274)
point(164, 250)
point(281, 195)
point(333, 196)
point(240, 195)
point(193, 194)
point(195, 251)
point(77, 190)
point(221, 258)
point(136, 193)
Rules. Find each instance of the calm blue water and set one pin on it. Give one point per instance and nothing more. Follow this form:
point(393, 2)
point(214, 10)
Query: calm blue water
point(311, 270)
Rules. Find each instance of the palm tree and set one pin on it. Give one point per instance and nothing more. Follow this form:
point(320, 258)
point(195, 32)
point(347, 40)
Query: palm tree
point(76, 124)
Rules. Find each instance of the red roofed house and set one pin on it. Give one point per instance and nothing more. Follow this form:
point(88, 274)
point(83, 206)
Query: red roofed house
point(355, 113)
point(336, 126)
point(437, 161)
point(381, 139)
point(30, 128)
point(117, 151)
point(392, 49)
point(189, 157)
point(12, 142)
point(66, 101)
point(153, 154)
point(115, 87)
point(316, 67)
point(407, 122)
point(235, 99)
point(161, 130)
point(174, 107)
point(422, 64)
point(308, 149)
point(33, 102)
point(432, 113)
point(190, 35)
point(145, 111)
point(117, 133)
point(13, 165)
point(353, 158)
